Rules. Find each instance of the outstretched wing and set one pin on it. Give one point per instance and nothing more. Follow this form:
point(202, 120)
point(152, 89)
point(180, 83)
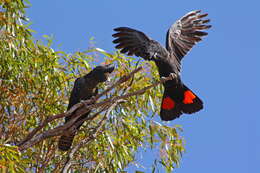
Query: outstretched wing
point(133, 42)
point(186, 32)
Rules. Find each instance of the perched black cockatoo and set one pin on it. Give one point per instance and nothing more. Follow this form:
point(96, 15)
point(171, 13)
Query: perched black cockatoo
point(180, 38)
point(84, 88)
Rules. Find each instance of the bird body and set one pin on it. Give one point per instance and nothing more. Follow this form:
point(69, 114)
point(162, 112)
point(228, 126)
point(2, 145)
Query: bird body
point(84, 88)
point(180, 38)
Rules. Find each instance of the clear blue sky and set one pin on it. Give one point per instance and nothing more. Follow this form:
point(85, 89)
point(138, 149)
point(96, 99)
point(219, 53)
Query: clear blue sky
point(224, 69)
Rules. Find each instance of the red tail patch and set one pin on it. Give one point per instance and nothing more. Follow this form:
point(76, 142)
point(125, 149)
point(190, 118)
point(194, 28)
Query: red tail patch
point(168, 103)
point(188, 97)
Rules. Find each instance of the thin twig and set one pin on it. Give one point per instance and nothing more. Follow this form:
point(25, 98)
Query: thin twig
point(121, 80)
point(87, 140)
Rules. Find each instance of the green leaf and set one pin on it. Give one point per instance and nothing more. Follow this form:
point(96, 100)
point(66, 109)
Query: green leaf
point(151, 103)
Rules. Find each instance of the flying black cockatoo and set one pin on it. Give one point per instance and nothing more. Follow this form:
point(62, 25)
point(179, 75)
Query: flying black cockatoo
point(84, 88)
point(180, 38)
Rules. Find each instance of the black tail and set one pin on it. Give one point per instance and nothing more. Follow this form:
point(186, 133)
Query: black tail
point(179, 99)
point(65, 142)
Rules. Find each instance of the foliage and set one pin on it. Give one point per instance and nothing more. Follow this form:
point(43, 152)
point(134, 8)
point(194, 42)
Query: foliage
point(11, 159)
point(35, 82)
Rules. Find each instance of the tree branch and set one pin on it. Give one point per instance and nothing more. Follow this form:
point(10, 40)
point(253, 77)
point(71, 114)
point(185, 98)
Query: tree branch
point(80, 109)
point(76, 106)
point(97, 129)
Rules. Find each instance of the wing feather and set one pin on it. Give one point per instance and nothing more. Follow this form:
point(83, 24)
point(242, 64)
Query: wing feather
point(186, 32)
point(134, 42)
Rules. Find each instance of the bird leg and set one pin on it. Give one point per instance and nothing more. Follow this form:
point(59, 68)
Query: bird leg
point(173, 76)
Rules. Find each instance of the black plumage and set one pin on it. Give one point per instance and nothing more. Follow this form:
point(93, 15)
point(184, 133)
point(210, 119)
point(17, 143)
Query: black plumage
point(180, 38)
point(84, 88)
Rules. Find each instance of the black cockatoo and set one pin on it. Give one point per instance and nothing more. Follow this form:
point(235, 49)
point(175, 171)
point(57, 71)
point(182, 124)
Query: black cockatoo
point(84, 88)
point(180, 38)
